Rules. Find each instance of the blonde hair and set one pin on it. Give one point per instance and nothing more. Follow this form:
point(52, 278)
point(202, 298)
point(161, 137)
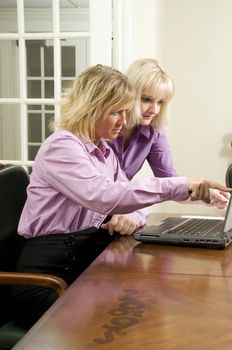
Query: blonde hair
point(147, 75)
point(96, 91)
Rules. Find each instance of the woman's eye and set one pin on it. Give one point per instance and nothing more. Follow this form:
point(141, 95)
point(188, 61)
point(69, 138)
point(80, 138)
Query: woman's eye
point(146, 99)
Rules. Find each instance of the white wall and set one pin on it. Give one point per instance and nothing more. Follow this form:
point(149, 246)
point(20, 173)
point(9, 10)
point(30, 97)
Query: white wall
point(192, 39)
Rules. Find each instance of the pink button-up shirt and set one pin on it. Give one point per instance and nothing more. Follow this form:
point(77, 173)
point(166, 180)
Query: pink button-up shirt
point(75, 185)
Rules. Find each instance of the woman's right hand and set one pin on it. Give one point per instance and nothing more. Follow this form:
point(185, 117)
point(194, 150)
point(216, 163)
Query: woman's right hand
point(199, 189)
point(121, 224)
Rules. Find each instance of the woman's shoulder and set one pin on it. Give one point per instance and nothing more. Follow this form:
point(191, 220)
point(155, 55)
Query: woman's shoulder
point(64, 135)
point(61, 140)
point(154, 135)
point(148, 130)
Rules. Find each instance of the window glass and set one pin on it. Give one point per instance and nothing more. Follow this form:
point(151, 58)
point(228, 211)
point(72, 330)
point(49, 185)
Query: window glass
point(8, 16)
point(32, 151)
point(33, 57)
point(74, 16)
point(49, 89)
point(34, 107)
point(34, 89)
point(9, 69)
point(68, 61)
point(74, 53)
point(40, 69)
point(34, 127)
point(66, 84)
point(48, 61)
point(29, 169)
point(36, 79)
point(10, 132)
point(49, 118)
point(38, 16)
point(39, 118)
point(49, 107)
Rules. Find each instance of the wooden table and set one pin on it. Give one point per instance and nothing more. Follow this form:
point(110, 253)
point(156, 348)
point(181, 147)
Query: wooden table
point(143, 297)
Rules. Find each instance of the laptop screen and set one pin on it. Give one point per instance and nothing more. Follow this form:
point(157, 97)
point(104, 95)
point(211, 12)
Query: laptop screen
point(228, 219)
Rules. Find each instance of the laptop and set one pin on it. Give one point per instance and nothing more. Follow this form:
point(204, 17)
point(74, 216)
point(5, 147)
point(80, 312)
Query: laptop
point(190, 231)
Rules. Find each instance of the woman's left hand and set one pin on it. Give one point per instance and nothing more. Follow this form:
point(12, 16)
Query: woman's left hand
point(219, 199)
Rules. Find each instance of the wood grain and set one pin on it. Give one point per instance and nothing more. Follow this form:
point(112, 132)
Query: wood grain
point(142, 296)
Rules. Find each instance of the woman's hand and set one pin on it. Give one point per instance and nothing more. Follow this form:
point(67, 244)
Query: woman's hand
point(121, 224)
point(200, 189)
point(219, 199)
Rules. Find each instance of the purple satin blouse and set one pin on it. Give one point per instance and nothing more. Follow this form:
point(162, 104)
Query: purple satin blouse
point(146, 143)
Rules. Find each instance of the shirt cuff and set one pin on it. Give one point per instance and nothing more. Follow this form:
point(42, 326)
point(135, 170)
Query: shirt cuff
point(139, 217)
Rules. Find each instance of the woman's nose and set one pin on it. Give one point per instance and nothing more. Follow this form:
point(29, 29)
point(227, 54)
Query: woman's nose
point(155, 107)
point(123, 117)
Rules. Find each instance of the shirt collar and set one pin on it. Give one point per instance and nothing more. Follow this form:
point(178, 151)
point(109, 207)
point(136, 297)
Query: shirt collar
point(102, 147)
point(145, 130)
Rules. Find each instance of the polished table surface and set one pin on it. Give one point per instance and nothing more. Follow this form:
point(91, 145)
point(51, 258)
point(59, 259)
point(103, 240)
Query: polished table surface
point(143, 296)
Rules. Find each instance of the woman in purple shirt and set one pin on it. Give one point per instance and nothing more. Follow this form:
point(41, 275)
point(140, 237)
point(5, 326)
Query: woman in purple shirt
point(77, 182)
point(144, 137)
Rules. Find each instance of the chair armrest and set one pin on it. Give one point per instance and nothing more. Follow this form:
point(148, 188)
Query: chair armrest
point(34, 279)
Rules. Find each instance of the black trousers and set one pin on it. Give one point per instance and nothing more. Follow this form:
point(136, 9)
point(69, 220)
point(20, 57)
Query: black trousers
point(62, 255)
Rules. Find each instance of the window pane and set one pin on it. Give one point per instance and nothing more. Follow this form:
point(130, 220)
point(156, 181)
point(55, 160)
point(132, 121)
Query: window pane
point(9, 69)
point(38, 16)
point(34, 107)
point(10, 132)
point(29, 169)
point(74, 16)
point(40, 58)
point(65, 84)
point(49, 89)
point(68, 61)
point(32, 151)
point(41, 67)
point(34, 127)
point(48, 61)
point(33, 58)
point(8, 16)
point(74, 58)
point(49, 107)
point(34, 89)
point(48, 119)
point(38, 125)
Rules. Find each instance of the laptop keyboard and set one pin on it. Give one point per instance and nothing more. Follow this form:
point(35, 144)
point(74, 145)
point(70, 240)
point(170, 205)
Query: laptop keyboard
point(195, 226)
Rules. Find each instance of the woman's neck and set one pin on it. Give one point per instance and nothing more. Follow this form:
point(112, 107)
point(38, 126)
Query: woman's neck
point(127, 133)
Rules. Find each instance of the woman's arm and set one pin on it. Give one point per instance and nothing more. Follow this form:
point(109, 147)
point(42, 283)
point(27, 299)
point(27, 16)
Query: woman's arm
point(160, 157)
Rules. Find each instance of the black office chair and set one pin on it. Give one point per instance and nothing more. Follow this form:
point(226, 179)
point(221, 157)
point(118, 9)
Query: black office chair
point(229, 176)
point(13, 183)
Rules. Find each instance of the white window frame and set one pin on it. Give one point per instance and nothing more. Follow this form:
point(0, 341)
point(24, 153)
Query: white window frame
point(122, 34)
point(100, 51)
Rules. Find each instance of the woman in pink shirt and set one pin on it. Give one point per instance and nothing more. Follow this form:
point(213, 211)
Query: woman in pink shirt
point(77, 182)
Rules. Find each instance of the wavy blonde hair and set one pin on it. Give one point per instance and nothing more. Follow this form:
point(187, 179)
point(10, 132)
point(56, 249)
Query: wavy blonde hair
point(146, 75)
point(98, 90)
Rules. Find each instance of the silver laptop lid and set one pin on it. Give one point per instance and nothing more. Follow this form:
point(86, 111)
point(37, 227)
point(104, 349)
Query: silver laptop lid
point(228, 218)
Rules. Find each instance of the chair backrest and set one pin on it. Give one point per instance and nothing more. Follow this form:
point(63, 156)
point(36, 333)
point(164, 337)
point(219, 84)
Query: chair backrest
point(13, 185)
point(13, 193)
point(229, 176)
